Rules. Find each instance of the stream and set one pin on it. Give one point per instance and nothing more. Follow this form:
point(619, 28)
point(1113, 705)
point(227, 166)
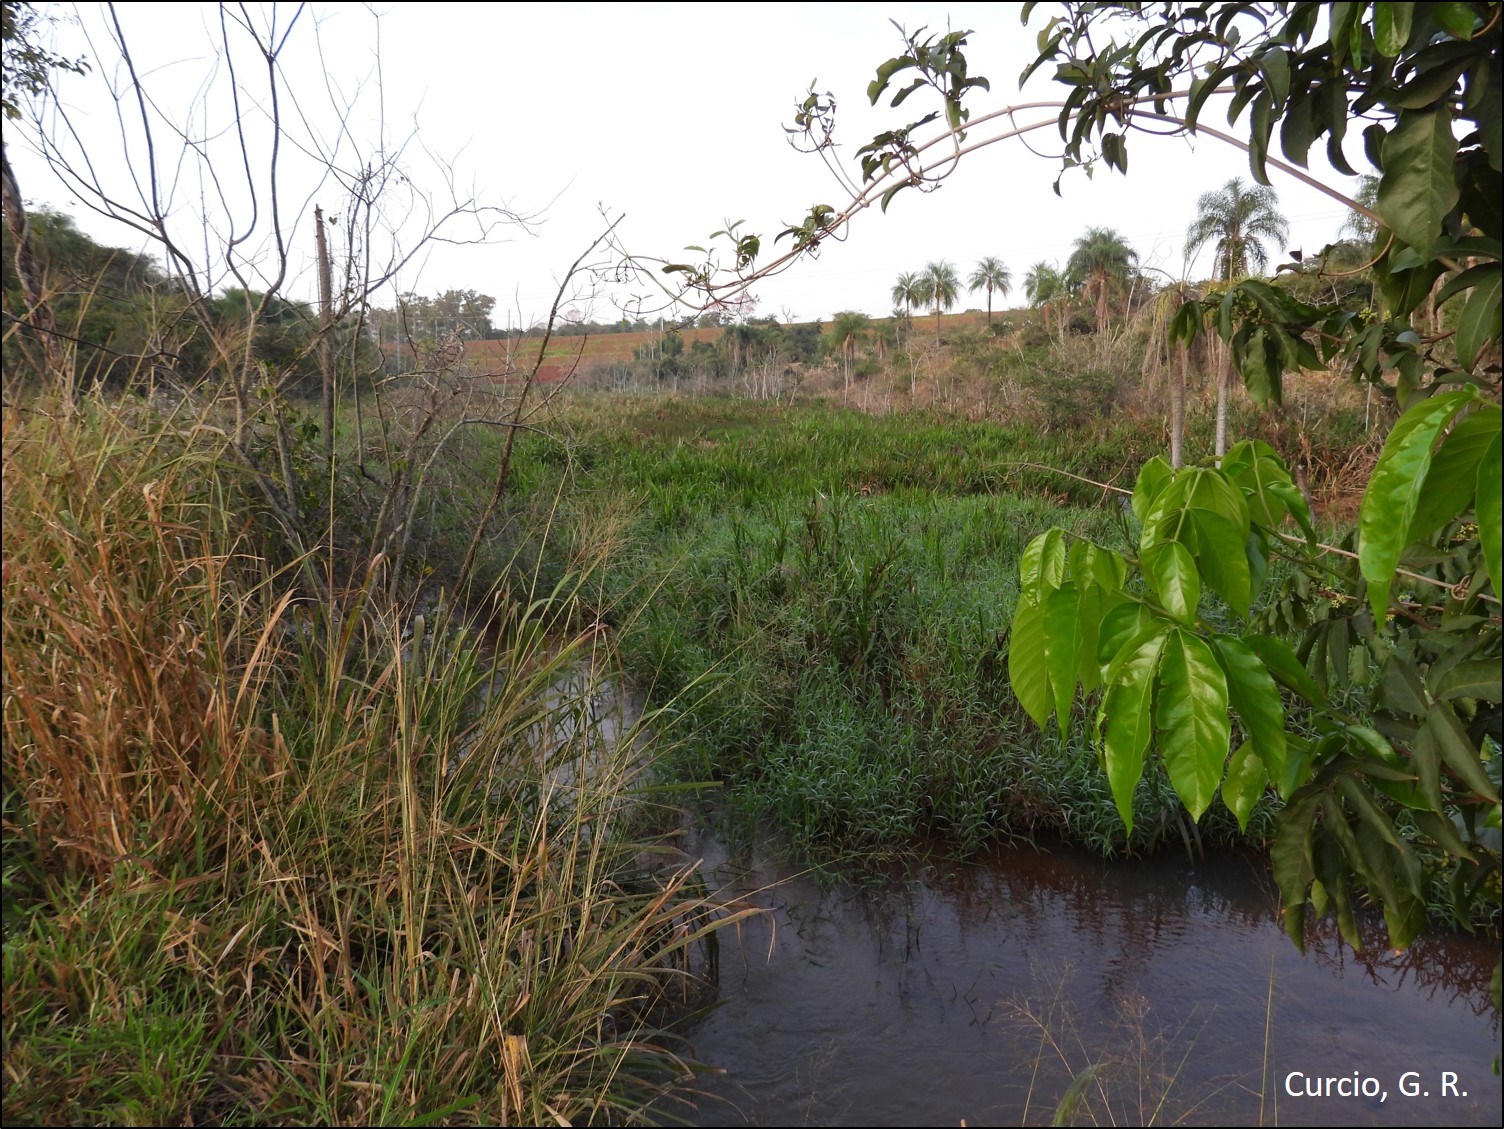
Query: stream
point(930, 1001)
point(974, 994)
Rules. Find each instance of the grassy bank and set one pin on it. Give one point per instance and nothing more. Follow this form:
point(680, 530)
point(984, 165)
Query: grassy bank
point(824, 597)
point(272, 858)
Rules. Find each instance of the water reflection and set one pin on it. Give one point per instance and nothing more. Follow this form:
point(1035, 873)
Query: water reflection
point(977, 993)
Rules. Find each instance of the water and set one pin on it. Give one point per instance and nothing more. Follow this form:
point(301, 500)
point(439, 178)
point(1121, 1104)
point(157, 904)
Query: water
point(974, 994)
point(930, 1002)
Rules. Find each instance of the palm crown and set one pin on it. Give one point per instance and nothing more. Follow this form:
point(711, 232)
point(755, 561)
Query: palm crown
point(990, 275)
point(1241, 218)
point(1099, 264)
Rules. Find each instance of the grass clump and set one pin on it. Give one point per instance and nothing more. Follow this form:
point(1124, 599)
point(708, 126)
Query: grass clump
point(827, 596)
point(275, 859)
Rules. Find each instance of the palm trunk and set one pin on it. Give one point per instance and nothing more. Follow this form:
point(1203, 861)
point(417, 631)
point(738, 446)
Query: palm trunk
point(1224, 387)
point(1178, 365)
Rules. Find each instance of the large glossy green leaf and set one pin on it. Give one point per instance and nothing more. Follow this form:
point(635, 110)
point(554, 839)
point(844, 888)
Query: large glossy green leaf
point(1062, 609)
point(1394, 491)
point(1028, 668)
point(1245, 783)
point(1453, 474)
point(1154, 477)
point(1172, 574)
point(1042, 567)
point(1257, 469)
point(1490, 511)
point(1122, 624)
point(1479, 323)
point(1191, 720)
point(1255, 696)
point(1419, 186)
point(1125, 721)
point(1221, 553)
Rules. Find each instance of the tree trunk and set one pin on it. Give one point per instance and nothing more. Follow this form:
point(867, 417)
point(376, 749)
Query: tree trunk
point(1178, 365)
point(1224, 387)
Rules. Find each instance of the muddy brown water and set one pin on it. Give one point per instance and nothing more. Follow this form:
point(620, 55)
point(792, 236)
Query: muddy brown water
point(931, 1001)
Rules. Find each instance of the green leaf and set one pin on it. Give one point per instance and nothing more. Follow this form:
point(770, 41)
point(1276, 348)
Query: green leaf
point(1454, 19)
point(1281, 662)
point(1042, 568)
point(1364, 807)
point(1191, 719)
point(1419, 186)
point(1295, 504)
point(1293, 860)
point(1393, 493)
point(1427, 757)
point(1125, 719)
point(1153, 478)
point(1458, 750)
point(1442, 831)
point(1124, 624)
point(1391, 27)
point(1401, 689)
point(1245, 783)
point(1221, 553)
point(1255, 696)
point(1028, 668)
point(1477, 678)
point(1449, 485)
point(1061, 611)
point(1172, 573)
point(1479, 323)
point(1490, 511)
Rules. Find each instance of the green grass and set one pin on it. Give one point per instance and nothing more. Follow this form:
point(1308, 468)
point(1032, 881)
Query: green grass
point(273, 860)
point(825, 597)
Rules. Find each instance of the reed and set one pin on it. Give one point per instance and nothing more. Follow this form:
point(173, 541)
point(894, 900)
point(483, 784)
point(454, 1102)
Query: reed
point(272, 858)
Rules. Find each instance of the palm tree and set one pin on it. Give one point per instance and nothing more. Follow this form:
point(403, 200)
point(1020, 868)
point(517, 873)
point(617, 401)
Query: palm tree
point(942, 287)
point(1042, 285)
point(909, 292)
point(1240, 217)
point(1099, 265)
point(990, 275)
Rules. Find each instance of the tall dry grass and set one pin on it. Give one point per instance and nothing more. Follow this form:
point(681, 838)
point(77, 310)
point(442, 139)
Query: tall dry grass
point(270, 859)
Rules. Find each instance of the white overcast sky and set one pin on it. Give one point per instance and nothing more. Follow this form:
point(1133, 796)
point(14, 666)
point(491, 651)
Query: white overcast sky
point(671, 116)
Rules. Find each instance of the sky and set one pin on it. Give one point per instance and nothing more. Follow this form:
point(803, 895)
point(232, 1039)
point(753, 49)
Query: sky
point(667, 120)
